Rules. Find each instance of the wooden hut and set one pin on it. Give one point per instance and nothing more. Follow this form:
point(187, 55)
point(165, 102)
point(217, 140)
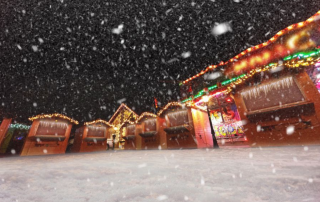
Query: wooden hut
point(273, 86)
point(131, 140)
point(149, 130)
point(92, 136)
point(49, 134)
point(122, 114)
point(184, 127)
point(14, 139)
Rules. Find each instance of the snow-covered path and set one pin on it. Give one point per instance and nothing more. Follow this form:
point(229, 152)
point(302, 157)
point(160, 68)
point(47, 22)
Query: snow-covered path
point(246, 174)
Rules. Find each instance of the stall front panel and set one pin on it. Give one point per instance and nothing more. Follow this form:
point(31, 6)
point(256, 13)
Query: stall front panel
point(130, 137)
point(47, 136)
point(180, 129)
point(91, 138)
point(150, 136)
point(281, 111)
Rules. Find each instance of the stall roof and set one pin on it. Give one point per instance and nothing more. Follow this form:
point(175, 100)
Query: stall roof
point(122, 107)
point(56, 115)
point(146, 114)
point(99, 121)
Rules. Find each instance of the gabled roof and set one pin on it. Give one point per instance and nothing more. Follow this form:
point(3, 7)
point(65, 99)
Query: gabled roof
point(99, 121)
point(122, 107)
point(146, 114)
point(170, 104)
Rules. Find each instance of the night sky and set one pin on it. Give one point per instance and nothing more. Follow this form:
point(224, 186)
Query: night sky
point(83, 58)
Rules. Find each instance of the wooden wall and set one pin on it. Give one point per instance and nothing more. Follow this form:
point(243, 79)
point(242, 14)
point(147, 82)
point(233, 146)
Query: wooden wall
point(202, 129)
point(150, 142)
point(5, 124)
point(131, 144)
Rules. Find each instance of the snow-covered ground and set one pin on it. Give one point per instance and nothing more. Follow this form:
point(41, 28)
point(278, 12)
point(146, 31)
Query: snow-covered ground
point(243, 174)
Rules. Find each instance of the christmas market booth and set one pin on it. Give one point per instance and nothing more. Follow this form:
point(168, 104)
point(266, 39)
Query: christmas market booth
point(13, 137)
point(131, 140)
point(92, 136)
point(184, 127)
point(149, 125)
point(49, 134)
point(268, 95)
point(122, 114)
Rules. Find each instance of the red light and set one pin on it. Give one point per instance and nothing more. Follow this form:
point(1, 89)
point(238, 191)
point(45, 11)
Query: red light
point(229, 100)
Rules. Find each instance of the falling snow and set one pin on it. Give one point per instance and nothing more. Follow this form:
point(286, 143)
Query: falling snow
point(85, 57)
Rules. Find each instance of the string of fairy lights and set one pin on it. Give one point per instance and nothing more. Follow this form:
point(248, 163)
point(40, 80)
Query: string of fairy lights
point(301, 59)
point(56, 115)
point(99, 121)
point(254, 48)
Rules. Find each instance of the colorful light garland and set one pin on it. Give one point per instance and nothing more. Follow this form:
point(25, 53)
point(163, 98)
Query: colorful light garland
point(211, 88)
point(19, 126)
point(293, 61)
point(99, 121)
point(56, 115)
point(254, 48)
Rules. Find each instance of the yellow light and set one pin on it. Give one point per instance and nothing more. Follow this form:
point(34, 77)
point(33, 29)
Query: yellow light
point(205, 98)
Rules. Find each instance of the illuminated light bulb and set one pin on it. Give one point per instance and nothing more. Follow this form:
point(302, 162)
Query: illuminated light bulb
point(311, 19)
point(300, 24)
point(290, 27)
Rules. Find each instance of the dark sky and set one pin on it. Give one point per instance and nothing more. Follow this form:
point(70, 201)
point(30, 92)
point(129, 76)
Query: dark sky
point(73, 58)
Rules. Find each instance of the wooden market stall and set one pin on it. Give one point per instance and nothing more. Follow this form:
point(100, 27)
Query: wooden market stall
point(272, 86)
point(184, 127)
point(92, 136)
point(150, 131)
point(14, 139)
point(122, 114)
point(49, 134)
point(131, 140)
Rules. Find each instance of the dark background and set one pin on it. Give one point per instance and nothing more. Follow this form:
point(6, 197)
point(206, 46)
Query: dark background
point(83, 70)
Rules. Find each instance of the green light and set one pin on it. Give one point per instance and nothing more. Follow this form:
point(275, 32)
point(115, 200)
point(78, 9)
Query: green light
point(20, 126)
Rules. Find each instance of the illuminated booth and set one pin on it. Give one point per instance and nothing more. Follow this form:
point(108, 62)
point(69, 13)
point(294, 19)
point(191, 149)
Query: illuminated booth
point(49, 134)
point(271, 88)
point(149, 131)
point(184, 127)
point(123, 113)
point(131, 140)
point(92, 136)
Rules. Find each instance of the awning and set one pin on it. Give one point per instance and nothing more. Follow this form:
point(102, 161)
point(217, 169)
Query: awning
point(148, 134)
point(48, 138)
point(176, 129)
